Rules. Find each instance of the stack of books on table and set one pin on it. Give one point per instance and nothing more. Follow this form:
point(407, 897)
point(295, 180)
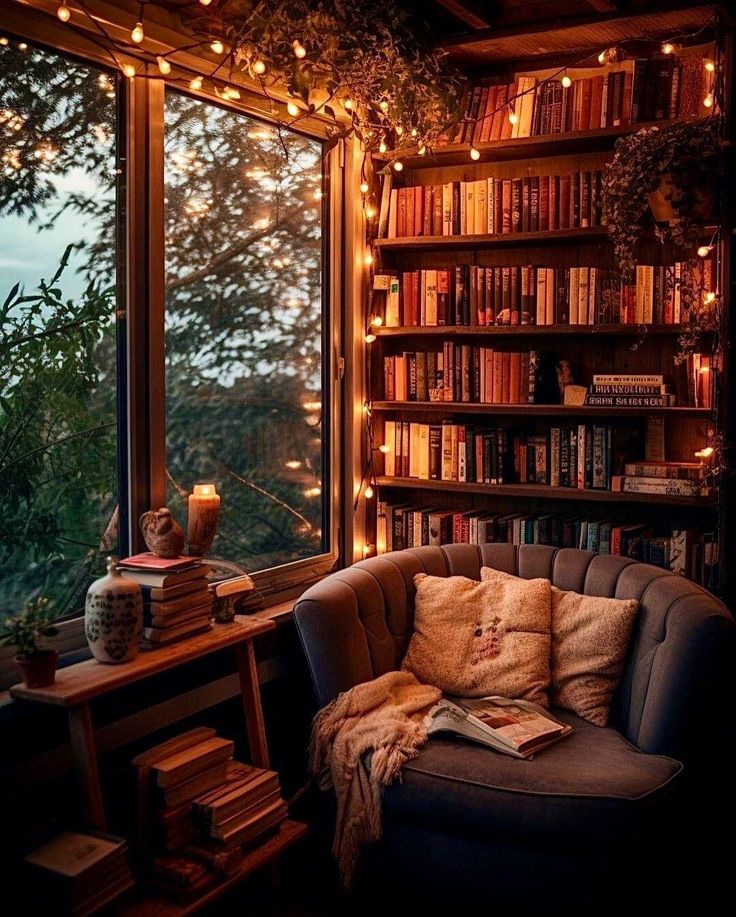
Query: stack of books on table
point(78, 873)
point(177, 602)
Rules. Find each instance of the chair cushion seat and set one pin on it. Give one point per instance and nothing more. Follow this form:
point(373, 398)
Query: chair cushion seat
point(593, 783)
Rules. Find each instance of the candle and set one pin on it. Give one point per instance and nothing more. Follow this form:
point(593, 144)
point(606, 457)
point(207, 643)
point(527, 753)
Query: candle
point(204, 511)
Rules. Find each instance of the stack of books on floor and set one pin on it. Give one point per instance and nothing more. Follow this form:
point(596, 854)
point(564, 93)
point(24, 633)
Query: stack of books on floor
point(198, 808)
point(177, 602)
point(77, 874)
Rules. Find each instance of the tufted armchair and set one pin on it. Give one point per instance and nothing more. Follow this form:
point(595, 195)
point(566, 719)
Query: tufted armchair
point(586, 808)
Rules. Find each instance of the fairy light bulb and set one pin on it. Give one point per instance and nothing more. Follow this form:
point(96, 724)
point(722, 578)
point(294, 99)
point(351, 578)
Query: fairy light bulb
point(566, 81)
point(384, 448)
point(667, 48)
point(709, 298)
point(300, 51)
point(422, 151)
point(704, 251)
point(399, 130)
point(369, 338)
point(196, 83)
point(708, 100)
point(705, 453)
point(376, 321)
point(366, 550)
point(368, 259)
point(710, 66)
point(217, 46)
point(384, 106)
point(259, 67)
point(398, 165)
point(205, 2)
point(364, 187)
point(370, 211)
point(63, 12)
point(347, 104)
point(602, 57)
point(513, 117)
point(137, 35)
point(230, 93)
point(163, 65)
point(292, 108)
point(474, 154)
point(369, 492)
point(382, 147)
point(4, 41)
point(129, 71)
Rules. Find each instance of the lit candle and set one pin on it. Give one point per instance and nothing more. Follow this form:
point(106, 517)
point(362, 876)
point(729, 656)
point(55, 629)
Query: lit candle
point(204, 511)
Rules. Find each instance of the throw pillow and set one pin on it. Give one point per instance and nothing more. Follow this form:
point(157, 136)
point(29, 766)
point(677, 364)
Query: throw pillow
point(590, 639)
point(475, 639)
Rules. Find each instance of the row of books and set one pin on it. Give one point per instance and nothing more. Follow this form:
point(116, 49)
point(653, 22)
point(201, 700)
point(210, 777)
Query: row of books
point(198, 808)
point(577, 456)
point(492, 206)
point(684, 551)
point(649, 390)
point(629, 92)
point(462, 372)
point(177, 601)
point(525, 294)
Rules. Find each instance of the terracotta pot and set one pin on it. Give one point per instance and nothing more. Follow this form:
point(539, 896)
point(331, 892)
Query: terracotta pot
point(39, 670)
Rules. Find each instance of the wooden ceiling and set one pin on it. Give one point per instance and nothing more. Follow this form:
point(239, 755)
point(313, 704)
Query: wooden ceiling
point(478, 32)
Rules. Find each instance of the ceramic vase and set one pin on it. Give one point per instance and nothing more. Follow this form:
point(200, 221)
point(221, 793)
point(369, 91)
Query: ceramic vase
point(113, 618)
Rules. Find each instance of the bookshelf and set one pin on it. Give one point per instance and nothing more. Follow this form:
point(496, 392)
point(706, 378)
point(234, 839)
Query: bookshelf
point(594, 348)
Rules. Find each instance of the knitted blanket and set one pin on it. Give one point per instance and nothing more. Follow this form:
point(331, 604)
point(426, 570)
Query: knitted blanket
point(359, 743)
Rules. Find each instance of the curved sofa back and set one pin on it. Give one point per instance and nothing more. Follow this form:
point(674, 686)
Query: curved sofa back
point(356, 623)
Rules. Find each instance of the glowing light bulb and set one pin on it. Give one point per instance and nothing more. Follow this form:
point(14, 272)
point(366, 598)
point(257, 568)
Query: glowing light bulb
point(398, 165)
point(205, 2)
point(4, 41)
point(708, 100)
point(422, 151)
point(369, 492)
point(196, 83)
point(22, 46)
point(709, 66)
point(709, 298)
point(474, 154)
point(667, 48)
point(705, 453)
point(217, 46)
point(370, 212)
point(230, 93)
point(347, 104)
point(602, 57)
point(366, 550)
point(704, 251)
point(137, 35)
point(513, 118)
point(399, 130)
point(376, 321)
point(293, 464)
point(368, 259)
point(293, 109)
point(259, 67)
point(382, 147)
point(384, 448)
point(129, 71)
point(163, 65)
point(384, 106)
point(370, 338)
point(63, 12)
point(566, 81)
point(364, 187)
point(299, 50)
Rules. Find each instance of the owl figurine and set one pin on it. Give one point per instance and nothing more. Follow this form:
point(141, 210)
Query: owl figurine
point(162, 533)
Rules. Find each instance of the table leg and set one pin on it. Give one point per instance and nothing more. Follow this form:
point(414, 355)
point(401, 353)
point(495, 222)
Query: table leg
point(250, 689)
point(84, 748)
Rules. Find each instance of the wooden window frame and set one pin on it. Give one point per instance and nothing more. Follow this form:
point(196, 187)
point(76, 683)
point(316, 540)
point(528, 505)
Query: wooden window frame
point(141, 235)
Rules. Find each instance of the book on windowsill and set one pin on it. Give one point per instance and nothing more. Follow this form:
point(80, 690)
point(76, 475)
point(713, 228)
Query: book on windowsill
point(150, 561)
point(513, 727)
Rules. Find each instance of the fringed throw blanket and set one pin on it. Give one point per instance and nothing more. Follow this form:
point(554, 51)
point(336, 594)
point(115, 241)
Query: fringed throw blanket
point(359, 743)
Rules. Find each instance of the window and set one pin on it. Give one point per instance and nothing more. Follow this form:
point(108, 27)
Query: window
point(244, 330)
point(58, 402)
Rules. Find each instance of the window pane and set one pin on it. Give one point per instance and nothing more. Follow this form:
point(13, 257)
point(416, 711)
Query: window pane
point(243, 330)
point(58, 465)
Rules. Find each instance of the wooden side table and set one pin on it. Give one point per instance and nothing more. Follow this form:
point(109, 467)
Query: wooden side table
point(78, 685)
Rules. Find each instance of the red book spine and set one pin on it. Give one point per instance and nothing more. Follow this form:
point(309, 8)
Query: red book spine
point(401, 219)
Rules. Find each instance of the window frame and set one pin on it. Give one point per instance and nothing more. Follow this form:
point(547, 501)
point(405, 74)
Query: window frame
point(141, 353)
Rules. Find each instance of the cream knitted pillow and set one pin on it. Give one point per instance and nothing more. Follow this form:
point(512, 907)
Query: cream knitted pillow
point(474, 639)
point(590, 639)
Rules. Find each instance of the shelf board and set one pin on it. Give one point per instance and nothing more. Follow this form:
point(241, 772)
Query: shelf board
point(524, 410)
point(86, 680)
point(546, 492)
point(453, 154)
point(495, 240)
point(530, 330)
point(157, 905)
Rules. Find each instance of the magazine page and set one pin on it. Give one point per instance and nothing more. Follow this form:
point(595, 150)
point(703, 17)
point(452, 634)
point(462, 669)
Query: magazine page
point(518, 723)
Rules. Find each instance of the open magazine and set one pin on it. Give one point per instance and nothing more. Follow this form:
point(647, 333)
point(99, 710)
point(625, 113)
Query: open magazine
point(514, 727)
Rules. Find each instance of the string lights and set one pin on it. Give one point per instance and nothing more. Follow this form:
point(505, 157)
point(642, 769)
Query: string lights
point(63, 12)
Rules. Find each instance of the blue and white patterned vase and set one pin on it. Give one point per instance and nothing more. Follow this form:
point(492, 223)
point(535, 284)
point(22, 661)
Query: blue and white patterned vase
point(113, 617)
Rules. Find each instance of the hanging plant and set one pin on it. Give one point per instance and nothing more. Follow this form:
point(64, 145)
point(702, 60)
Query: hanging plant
point(362, 64)
point(666, 172)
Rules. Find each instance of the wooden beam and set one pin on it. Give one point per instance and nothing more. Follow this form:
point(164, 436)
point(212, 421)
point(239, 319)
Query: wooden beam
point(466, 12)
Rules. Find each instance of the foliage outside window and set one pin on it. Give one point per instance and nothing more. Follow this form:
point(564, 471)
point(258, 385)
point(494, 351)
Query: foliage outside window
point(244, 314)
point(58, 436)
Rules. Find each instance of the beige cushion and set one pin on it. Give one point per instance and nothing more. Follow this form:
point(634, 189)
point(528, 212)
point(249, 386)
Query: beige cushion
point(590, 639)
point(473, 639)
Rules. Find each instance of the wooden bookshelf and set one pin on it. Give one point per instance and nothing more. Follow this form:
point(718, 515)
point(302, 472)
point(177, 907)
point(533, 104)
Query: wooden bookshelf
point(508, 331)
point(496, 240)
point(543, 492)
point(531, 410)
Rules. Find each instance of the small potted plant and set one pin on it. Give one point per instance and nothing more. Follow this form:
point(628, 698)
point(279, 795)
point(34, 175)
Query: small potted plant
point(669, 172)
point(26, 631)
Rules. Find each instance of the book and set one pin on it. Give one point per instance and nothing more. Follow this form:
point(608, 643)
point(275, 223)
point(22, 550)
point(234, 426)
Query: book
point(195, 598)
point(513, 727)
point(149, 561)
point(184, 763)
point(164, 580)
point(157, 636)
point(246, 786)
point(671, 487)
